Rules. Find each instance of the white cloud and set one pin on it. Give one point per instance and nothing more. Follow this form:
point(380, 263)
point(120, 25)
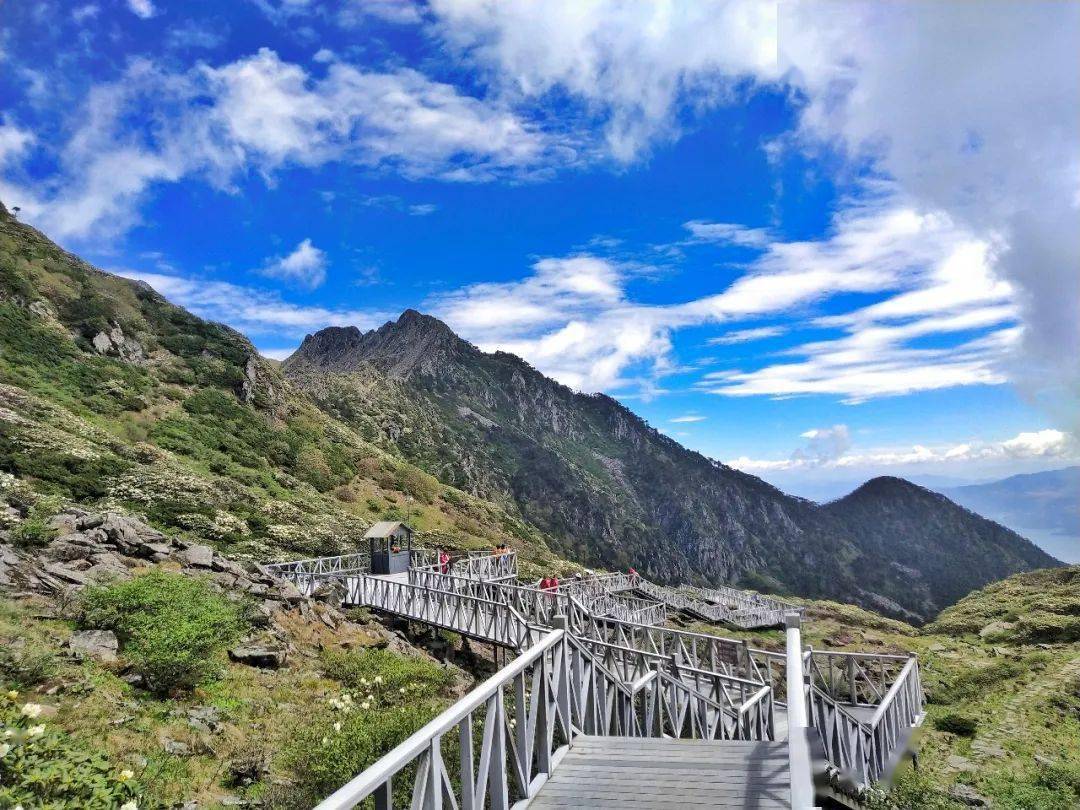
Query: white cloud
point(631, 64)
point(13, 142)
point(746, 335)
point(278, 354)
point(422, 209)
point(1046, 444)
point(573, 319)
point(263, 113)
point(250, 309)
point(690, 417)
point(727, 232)
point(306, 266)
point(142, 8)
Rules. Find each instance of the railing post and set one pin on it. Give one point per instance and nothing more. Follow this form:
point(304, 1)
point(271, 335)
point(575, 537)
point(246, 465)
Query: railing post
point(802, 775)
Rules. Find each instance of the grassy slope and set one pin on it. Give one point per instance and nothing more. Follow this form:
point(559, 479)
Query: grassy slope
point(201, 436)
point(1020, 684)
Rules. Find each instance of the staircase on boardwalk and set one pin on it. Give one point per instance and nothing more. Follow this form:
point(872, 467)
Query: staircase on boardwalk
point(588, 675)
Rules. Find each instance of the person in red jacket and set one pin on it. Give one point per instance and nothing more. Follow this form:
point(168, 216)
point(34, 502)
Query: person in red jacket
point(444, 561)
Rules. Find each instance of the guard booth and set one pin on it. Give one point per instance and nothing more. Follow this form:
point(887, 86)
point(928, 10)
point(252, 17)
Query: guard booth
point(390, 546)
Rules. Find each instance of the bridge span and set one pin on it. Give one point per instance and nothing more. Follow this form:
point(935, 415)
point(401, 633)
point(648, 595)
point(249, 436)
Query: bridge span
point(604, 704)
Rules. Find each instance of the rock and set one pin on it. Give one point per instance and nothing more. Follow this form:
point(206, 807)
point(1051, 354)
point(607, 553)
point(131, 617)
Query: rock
point(100, 644)
point(64, 523)
point(290, 593)
point(1046, 762)
point(175, 747)
point(959, 763)
point(197, 556)
point(225, 565)
point(987, 749)
point(65, 573)
point(89, 522)
point(204, 718)
point(257, 655)
point(967, 795)
point(996, 629)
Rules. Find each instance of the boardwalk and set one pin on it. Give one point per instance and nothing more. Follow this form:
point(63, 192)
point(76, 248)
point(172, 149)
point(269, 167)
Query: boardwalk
point(634, 773)
point(599, 710)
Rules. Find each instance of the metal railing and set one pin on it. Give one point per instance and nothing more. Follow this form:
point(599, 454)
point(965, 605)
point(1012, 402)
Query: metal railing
point(307, 574)
point(867, 751)
point(499, 744)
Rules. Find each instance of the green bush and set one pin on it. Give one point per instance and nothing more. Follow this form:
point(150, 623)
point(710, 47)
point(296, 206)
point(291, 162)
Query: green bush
point(26, 664)
point(41, 766)
point(972, 683)
point(173, 629)
point(333, 748)
point(359, 669)
point(957, 723)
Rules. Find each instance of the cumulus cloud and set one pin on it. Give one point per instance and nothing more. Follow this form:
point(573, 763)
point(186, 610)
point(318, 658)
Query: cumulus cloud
point(1047, 444)
point(265, 113)
point(631, 64)
point(305, 266)
point(574, 320)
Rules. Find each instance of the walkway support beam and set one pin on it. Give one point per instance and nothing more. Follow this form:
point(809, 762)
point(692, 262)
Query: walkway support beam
point(802, 773)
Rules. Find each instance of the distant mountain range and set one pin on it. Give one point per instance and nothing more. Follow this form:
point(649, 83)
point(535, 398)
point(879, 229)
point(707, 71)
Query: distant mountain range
point(1044, 506)
point(615, 492)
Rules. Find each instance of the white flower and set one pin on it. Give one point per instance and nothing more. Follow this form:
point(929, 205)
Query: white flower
point(363, 681)
point(9, 733)
point(126, 774)
point(31, 710)
point(5, 749)
point(12, 694)
point(36, 731)
point(365, 705)
point(402, 690)
point(337, 727)
point(129, 806)
point(378, 679)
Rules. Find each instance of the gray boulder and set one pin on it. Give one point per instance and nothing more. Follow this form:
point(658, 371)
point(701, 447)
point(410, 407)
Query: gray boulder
point(197, 556)
point(99, 644)
point(258, 655)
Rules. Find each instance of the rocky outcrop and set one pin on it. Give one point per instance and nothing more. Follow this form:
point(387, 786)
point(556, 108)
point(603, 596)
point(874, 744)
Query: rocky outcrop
point(93, 548)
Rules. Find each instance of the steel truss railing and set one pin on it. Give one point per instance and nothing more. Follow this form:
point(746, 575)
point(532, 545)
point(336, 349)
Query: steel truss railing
point(499, 744)
point(839, 684)
point(306, 575)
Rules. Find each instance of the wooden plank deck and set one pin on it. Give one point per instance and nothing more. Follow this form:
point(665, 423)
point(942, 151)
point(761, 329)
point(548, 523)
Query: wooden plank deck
point(635, 773)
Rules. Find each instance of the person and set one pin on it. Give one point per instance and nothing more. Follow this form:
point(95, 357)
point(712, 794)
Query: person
point(554, 583)
point(634, 576)
point(444, 561)
point(545, 583)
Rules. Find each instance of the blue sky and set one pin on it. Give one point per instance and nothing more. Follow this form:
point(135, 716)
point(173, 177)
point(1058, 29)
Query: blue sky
point(817, 241)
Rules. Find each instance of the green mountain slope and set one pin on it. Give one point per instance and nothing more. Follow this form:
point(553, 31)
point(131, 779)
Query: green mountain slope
point(613, 491)
point(110, 395)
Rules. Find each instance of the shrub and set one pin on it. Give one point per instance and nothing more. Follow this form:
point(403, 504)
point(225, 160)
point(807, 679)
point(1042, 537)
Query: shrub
point(174, 629)
point(333, 748)
point(43, 767)
point(957, 723)
point(358, 669)
point(28, 663)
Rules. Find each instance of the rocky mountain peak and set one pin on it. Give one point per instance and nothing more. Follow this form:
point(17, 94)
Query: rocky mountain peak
point(413, 344)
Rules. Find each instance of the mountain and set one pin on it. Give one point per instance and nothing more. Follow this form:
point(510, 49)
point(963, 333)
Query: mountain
point(941, 549)
point(610, 490)
point(1042, 505)
point(112, 397)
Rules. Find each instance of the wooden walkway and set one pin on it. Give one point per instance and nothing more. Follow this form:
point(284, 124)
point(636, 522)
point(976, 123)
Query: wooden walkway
point(641, 773)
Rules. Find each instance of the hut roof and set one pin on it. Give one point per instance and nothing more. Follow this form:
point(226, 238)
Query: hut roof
point(385, 528)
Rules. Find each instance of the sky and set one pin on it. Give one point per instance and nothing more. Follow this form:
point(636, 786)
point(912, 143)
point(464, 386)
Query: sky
point(816, 241)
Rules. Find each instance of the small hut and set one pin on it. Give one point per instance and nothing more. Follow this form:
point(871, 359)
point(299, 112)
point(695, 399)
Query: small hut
point(390, 544)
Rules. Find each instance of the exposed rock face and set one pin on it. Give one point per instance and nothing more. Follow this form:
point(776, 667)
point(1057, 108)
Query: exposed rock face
point(114, 342)
point(616, 492)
